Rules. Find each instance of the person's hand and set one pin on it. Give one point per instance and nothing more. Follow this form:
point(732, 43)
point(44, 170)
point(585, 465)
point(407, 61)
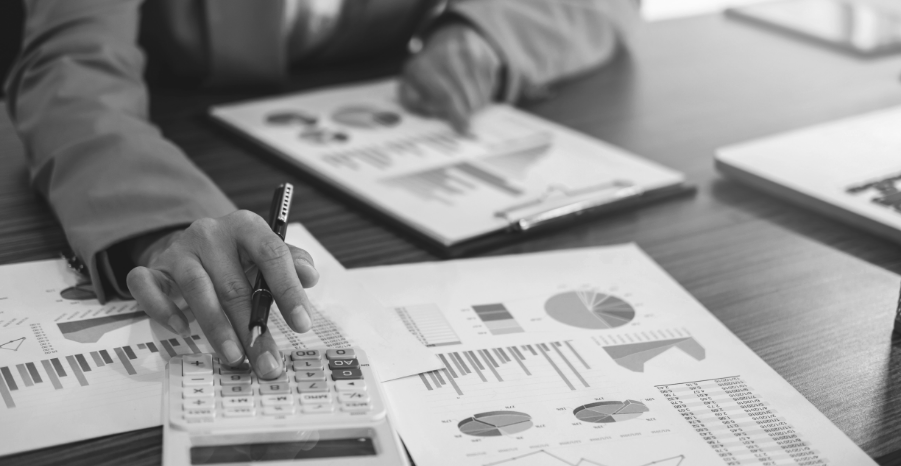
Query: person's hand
point(210, 265)
point(455, 75)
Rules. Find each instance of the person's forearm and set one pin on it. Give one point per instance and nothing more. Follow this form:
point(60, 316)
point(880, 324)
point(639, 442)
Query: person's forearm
point(78, 101)
point(542, 41)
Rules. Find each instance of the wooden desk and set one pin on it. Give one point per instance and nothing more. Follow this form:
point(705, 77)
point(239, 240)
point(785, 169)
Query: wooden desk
point(814, 298)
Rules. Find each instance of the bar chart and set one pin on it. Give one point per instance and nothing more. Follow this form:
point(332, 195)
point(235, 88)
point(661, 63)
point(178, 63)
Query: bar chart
point(55, 371)
point(487, 365)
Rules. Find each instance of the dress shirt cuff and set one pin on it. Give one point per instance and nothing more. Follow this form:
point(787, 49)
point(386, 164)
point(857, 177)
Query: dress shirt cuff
point(108, 273)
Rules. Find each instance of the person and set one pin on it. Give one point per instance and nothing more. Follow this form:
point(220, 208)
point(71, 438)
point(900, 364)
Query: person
point(148, 223)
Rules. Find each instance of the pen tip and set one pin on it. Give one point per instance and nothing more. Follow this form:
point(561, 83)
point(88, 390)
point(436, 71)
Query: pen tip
point(254, 334)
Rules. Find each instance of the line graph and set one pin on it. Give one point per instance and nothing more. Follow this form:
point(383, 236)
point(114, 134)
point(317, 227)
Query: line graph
point(12, 345)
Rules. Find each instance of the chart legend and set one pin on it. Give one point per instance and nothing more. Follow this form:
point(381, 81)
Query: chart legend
point(497, 318)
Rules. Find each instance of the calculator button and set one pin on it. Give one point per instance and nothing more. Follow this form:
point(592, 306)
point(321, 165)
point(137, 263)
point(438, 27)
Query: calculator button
point(350, 397)
point(199, 403)
point(197, 364)
point(315, 398)
point(277, 400)
point(237, 390)
point(242, 368)
point(340, 354)
point(238, 402)
point(197, 392)
point(197, 380)
point(350, 385)
point(307, 364)
point(356, 407)
point(282, 378)
point(305, 354)
point(347, 374)
point(199, 414)
point(278, 410)
point(274, 388)
point(234, 379)
point(317, 408)
point(312, 387)
point(334, 364)
point(239, 412)
point(309, 376)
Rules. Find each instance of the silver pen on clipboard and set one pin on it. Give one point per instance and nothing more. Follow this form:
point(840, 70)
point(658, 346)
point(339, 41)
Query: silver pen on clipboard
point(560, 203)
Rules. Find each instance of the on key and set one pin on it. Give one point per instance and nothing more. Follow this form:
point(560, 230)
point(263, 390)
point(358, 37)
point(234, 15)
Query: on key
point(347, 374)
point(334, 364)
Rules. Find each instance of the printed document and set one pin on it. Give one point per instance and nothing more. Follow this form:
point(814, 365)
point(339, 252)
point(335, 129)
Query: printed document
point(417, 170)
point(583, 358)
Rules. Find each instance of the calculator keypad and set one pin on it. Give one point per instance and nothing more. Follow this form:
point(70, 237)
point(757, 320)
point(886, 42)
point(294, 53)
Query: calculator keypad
point(314, 382)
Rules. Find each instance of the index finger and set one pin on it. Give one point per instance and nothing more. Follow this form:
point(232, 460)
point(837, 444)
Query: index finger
point(275, 261)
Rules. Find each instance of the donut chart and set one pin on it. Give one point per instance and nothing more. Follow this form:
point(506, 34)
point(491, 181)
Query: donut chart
point(589, 309)
point(364, 117)
point(610, 411)
point(495, 424)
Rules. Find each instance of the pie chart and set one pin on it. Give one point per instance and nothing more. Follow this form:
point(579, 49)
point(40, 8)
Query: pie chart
point(495, 424)
point(590, 309)
point(610, 411)
point(366, 117)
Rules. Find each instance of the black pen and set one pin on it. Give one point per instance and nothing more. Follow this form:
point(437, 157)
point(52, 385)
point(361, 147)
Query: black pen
point(261, 300)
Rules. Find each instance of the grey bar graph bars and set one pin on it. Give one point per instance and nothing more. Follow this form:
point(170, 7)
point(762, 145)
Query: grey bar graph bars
point(76, 370)
point(23, 372)
point(6, 395)
point(48, 368)
point(97, 360)
point(83, 363)
point(34, 372)
point(168, 348)
point(192, 345)
point(125, 361)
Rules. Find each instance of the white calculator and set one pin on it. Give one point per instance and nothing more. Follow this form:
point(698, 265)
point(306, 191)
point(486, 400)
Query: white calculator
point(326, 409)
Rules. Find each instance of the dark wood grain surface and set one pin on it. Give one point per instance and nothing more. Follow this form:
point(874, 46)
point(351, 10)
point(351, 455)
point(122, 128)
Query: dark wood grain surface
point(813, 297)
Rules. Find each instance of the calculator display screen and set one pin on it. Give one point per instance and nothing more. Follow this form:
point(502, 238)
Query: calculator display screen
point(283, 451)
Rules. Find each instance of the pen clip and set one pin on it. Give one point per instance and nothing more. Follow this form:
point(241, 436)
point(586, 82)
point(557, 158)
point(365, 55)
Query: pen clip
point(574, 202)
point(284, 202)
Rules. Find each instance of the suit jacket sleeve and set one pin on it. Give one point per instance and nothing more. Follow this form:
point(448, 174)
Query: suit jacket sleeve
point(78, 101)
point(542, 41)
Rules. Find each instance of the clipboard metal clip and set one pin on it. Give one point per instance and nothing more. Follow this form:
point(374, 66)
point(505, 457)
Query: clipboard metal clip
point(559, 203)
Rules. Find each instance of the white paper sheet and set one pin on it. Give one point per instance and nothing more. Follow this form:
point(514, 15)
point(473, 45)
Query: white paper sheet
point(587, 357)
point(419, 171)
point(110, 357)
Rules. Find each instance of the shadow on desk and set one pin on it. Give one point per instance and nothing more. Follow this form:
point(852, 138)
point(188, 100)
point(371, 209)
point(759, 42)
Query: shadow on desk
point(841, 236)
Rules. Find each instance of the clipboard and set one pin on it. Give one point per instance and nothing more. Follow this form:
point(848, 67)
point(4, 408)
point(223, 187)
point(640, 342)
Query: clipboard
point(517, 174)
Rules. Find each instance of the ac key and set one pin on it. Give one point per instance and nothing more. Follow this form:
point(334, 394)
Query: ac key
point(335, 364)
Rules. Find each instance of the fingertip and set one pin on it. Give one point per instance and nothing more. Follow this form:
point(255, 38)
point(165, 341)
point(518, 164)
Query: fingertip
point(267, 366)
point(179, 326)
point(232, 353)
point(300, 320)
